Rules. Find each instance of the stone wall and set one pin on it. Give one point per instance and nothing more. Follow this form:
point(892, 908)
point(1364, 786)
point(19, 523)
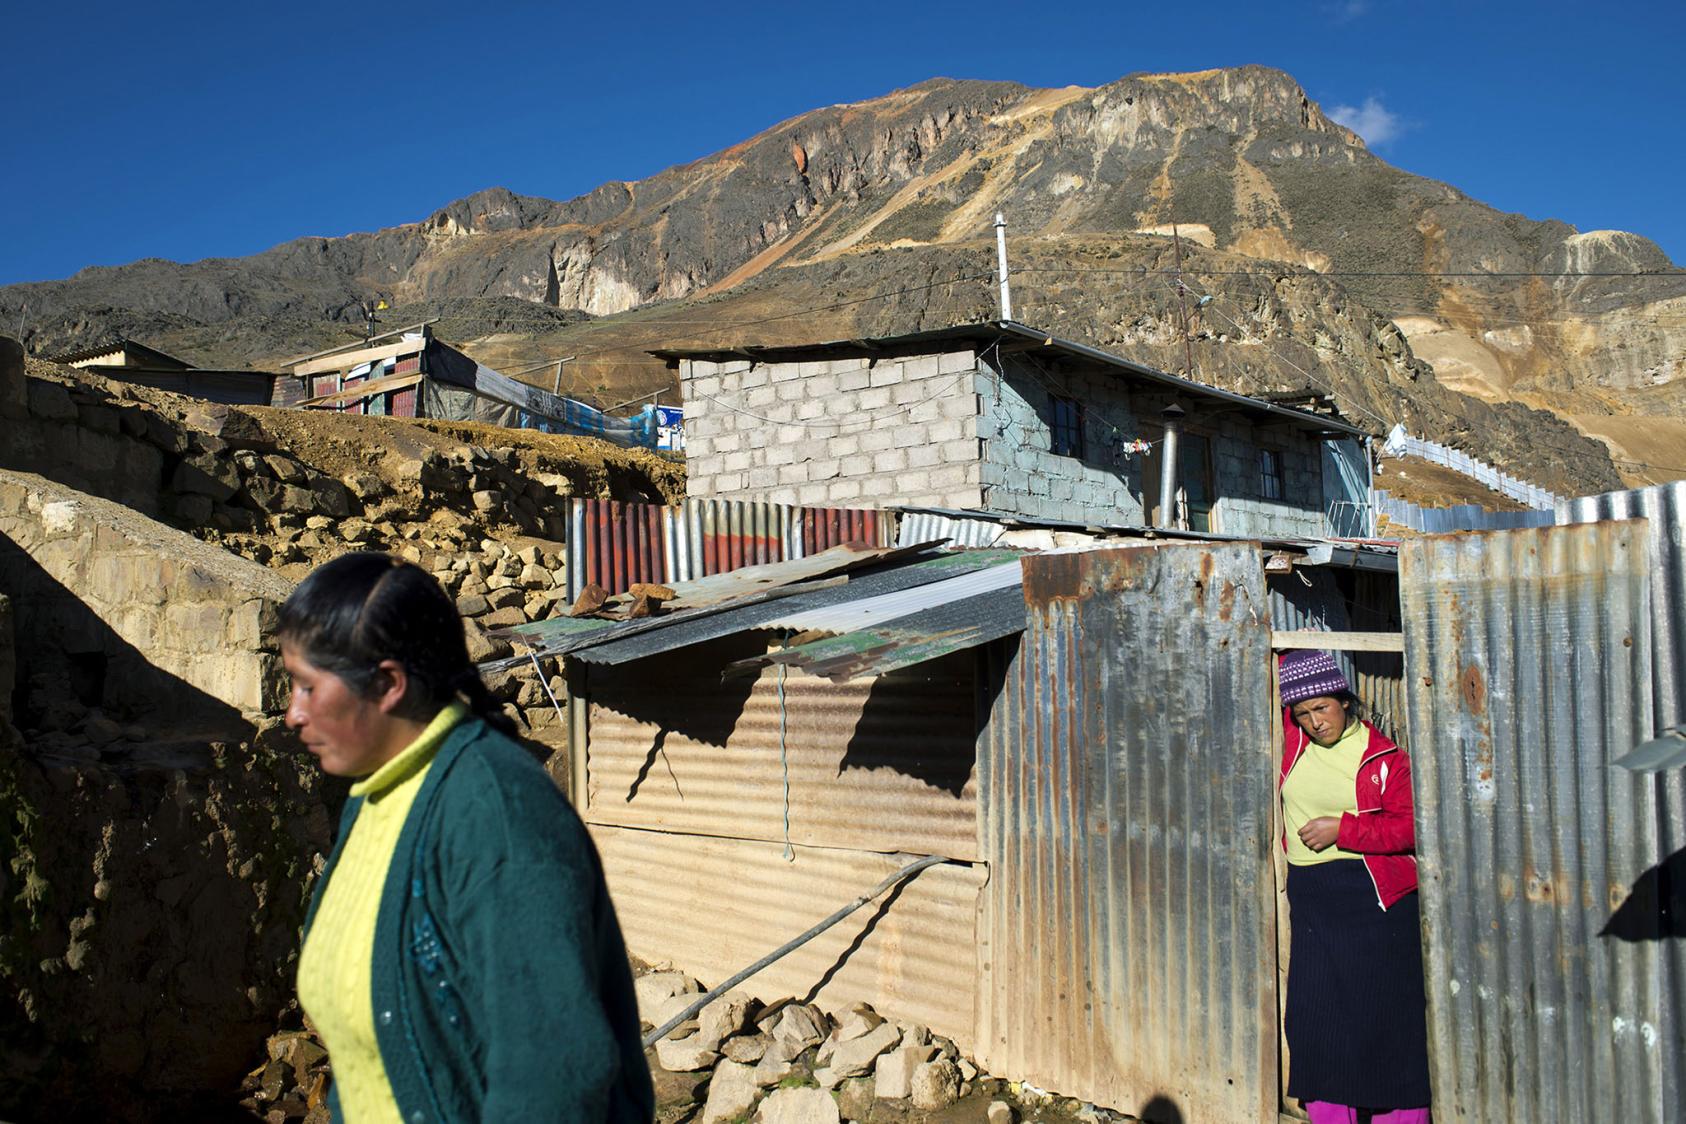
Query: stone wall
point(857, 432)
point(136, 617)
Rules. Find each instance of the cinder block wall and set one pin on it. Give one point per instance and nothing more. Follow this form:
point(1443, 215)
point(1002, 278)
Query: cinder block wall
point(1021, 475)
point(177, 625)
point(855, 432)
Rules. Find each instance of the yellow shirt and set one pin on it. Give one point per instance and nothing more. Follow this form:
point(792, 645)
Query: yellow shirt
point(1323, 782)
point(336, 985)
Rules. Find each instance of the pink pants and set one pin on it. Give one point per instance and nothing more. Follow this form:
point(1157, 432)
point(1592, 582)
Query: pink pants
point(1322, 1112)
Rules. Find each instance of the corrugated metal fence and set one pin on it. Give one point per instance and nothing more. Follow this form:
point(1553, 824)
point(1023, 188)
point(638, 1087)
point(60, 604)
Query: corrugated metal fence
point(615, 544)
point(1459, 517)
point(1528, 657)
point(1125, 792)
point(1399, 443)
point(1664, 506)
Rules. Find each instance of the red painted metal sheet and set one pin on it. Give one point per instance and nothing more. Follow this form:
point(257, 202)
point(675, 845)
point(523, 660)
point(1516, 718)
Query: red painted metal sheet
point(402, 403)
point(407, 366)
point(615, 544)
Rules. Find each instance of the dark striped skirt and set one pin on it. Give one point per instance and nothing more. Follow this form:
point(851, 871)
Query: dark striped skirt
point(1356, 1017)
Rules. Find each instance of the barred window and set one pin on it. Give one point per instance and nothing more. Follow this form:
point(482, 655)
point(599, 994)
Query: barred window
point(1270, 474)
point(1066, 427)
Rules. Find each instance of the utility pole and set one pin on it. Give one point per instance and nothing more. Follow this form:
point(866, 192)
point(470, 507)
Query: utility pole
point(368, 308)
point(1182, 302)
point(557, 389)
point(1001, 265)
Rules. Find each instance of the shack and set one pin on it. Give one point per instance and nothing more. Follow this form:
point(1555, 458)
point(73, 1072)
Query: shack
point(129, 361)
point(752, 761)
point(1005, 417)
point(411, 373)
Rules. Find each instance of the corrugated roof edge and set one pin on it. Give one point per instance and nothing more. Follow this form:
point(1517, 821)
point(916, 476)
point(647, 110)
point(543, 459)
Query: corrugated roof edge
point(1361, 553)
point(988, 332)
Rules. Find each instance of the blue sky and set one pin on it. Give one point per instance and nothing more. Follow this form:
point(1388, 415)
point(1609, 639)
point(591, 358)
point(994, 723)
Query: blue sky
point(188, 131)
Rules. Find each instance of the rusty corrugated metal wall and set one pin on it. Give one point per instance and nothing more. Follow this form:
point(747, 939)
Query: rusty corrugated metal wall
point(616, 544)
point(1125, 788)
point(1664, 506)
point(685, 784)
point(710, 906)
point(881, 764)
point(1528, 658)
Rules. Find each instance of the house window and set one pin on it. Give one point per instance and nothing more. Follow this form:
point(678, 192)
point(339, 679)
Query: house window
point(1066, 427)
point(1270, 474)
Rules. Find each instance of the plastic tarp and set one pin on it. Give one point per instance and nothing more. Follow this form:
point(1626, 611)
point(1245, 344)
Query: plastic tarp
point(460, 389)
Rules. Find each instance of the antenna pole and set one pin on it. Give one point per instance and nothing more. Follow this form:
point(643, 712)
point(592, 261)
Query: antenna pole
point(1182, 301)
point(1001, 265)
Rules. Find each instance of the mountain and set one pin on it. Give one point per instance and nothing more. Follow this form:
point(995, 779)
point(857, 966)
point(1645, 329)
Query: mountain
point(1310, 264)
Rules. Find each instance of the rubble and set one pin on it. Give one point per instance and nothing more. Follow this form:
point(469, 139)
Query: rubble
point(792, 1061)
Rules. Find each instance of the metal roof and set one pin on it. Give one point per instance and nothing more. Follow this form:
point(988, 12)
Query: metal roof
point(863, 612)
point(936, 631)
point(962, 527)
point(909, 581)
point(140, 350)
point(747, 588)
point(991, 332)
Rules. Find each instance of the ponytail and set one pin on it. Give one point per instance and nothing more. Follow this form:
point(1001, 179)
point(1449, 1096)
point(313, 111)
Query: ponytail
point(484, 705)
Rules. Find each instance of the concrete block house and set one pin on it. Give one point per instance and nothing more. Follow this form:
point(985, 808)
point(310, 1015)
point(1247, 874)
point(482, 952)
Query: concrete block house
point(1004, 418)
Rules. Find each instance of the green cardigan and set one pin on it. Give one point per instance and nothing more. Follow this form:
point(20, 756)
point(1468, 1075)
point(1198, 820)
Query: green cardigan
point(501, 986)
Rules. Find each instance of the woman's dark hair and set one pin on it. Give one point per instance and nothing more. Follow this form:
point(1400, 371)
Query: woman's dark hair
point(362, 608)
point(1354, 706)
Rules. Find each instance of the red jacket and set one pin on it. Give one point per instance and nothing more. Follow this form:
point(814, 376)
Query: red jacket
point(1384, 829)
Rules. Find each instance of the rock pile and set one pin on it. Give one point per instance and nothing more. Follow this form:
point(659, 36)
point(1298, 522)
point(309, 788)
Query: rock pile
point(292, 1084)
point(792, 1063)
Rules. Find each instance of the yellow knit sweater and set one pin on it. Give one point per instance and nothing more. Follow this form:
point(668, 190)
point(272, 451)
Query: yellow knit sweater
point(335, 964)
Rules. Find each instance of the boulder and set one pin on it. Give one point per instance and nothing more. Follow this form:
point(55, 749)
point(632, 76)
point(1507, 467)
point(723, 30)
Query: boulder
point(856, 1056)
point(894, 1078)
point(205, 476)
point(936, 1085)
point(683, 1055)
point(799, 1106)
point(1000, 1112)
point(723, 1018)
point(746, 1048)
point(655, 988)
point(731, 1092)
point(799, 1027)
point(854, 1098)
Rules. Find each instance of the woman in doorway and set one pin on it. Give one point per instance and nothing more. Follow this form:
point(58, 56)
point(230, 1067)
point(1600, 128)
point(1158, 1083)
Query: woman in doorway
point(461, 958)
point(1355, 1016)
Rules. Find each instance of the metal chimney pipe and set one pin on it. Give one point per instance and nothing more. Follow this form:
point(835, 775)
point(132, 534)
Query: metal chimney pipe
point(1001, 265)
point(1172, 416)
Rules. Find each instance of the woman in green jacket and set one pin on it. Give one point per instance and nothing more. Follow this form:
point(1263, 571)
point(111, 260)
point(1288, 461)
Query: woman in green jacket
point(461, 958)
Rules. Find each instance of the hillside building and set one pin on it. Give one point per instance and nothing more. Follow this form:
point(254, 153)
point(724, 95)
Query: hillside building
point(129, 361)
point(1002, 417)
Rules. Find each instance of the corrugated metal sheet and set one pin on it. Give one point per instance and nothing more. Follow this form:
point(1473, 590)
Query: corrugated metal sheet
point(765, 614)
point(1528, 656)
point(616, 544)
point(886, 765)
point(864, 612)
point(710, 906)
point(926, 526)
point(1125, 788)
point(952, 626)
point(1664, 506)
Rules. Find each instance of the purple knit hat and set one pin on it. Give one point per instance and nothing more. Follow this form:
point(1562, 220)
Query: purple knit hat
point(1310, 675)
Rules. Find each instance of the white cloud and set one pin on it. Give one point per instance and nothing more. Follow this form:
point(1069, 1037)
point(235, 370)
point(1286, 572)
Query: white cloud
point(1346, 11)
point(1373, 121)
